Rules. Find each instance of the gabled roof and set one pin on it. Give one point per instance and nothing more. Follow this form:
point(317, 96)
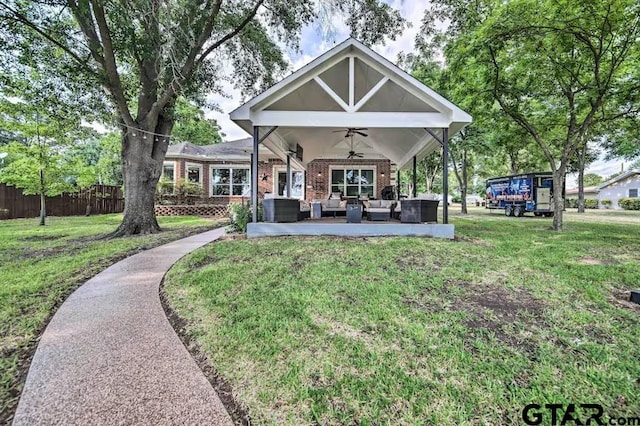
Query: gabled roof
point(623, 176)
point(587, 190)
point(238, 149)
point(351, 86)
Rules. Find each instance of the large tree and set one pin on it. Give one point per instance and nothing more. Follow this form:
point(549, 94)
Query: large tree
point(556, 68)
point(145, 53)
point(37, 160)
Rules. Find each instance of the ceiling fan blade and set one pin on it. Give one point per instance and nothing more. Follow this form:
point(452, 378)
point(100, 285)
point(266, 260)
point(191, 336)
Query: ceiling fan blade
point(360, 128)
point(363, 134)
point(337, 131)
point(359, 155)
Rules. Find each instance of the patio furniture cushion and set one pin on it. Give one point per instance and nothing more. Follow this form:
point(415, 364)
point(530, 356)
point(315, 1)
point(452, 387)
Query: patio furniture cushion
point(333, 203)
point(375, 203)
point(337, 195)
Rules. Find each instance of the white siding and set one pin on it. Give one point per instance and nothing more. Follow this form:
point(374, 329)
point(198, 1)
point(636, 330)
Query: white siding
point(619, 190)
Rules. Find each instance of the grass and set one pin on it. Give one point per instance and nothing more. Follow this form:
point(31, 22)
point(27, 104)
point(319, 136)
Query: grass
point(40, 266)
point(421, 331)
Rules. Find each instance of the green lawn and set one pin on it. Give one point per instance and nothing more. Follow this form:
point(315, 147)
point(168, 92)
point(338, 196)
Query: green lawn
point(40, 266)
point(421, 331)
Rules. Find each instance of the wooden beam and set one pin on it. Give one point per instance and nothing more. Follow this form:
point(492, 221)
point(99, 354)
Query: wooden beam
point(370, 93)
point(445, 175)
point(344, 119)
point(254, 175)
point(331, 93)
point(352, 83)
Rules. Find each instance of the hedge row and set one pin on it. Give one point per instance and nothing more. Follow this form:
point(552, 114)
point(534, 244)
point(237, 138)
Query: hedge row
point(629, 203)
point(572, 203)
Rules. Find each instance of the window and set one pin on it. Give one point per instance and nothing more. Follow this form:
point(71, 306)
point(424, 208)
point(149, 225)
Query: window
point(297, 183)
point(227, 181)
point(194, 173)
point(633, 193)
point(353, 182)
point(168, 171)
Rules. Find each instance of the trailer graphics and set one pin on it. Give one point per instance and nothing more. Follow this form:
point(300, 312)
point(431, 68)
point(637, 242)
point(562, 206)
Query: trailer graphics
point(519, 194)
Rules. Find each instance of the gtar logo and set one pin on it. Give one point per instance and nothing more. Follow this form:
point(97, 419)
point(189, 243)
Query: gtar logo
point(534, 414)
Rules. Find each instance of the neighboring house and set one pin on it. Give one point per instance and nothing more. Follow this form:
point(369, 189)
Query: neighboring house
point(626, 185)
point(590, 193)
point(223, 170)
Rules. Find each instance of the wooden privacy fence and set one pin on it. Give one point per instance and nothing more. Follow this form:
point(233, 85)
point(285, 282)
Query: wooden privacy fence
point(101, 198)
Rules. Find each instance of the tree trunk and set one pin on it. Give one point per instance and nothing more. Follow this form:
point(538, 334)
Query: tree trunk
point(558, 199)
point(581, 165)
point(463, 186)
point(43, 208)
point(43, 199)
point(142, 158)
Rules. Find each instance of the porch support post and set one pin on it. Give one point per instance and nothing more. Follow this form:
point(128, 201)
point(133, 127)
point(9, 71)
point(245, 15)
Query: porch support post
point(288, 178)
point(254, 175)
point(415, 177)
point(445, 175)
point(398, 184)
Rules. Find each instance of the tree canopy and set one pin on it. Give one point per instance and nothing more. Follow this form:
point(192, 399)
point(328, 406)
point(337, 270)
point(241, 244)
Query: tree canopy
point(557, 69)
point(136, 57)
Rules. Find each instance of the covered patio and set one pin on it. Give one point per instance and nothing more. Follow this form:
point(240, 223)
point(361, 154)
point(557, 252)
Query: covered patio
point(350, 104)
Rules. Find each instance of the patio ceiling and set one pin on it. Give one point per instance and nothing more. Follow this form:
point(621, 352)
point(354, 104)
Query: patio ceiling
point(351, 86)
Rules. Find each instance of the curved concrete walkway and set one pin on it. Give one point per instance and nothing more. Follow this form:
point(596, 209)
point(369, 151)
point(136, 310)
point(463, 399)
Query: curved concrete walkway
point(110, 356)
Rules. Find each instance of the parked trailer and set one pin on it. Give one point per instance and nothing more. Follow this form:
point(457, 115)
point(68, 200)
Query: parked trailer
point(519, 194)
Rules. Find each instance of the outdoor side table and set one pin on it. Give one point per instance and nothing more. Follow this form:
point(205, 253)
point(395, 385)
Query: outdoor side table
point(316, 210)
point(354, 213)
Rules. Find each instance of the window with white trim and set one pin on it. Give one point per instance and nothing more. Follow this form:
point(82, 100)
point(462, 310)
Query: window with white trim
point(194, 173)
point(169, 171)
point(353, 181)
point(226, 181)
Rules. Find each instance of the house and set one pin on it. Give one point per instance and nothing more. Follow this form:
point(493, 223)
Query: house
point(626, 185)
point(343, 125)
point(223, 170)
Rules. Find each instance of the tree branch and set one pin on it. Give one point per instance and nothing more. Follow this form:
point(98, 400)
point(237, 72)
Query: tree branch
point(19, 17)
point(110, 66)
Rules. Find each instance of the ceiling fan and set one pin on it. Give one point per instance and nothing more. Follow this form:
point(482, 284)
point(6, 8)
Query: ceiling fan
point(350, 133)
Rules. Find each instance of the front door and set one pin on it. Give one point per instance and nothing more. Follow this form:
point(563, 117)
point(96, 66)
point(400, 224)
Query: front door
point(297, 183)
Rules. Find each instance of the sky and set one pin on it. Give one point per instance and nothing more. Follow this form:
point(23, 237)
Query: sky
point(312, 45)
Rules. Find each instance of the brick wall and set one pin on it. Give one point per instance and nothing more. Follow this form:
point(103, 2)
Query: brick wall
point(319, 178)
point(213, 210)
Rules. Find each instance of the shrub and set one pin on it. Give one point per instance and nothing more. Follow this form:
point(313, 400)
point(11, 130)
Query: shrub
point(606, 203)
point(590, 204)
point(240, 216)
point(572, 203)
point(629, 203)
point(456, 199)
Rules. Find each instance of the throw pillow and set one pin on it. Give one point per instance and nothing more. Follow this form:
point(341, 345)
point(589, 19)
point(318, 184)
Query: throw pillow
point(366, 204)
point(343, 204)
point(375, 203)
point(333, 203)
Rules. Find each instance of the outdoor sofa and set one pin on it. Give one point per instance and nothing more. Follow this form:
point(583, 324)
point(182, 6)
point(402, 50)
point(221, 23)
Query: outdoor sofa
point(423, 208)
point(283, 209)
point(379, 209)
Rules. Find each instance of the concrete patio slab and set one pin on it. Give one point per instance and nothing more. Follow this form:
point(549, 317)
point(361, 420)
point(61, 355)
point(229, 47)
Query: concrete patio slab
point(369, 229)
point(110, 356)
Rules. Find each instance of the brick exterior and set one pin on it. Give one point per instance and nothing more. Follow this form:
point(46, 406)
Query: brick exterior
point(317, 179)
point(214, 210)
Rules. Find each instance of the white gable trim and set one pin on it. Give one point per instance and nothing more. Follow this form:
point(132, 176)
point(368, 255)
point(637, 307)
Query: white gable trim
point(332, 58)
